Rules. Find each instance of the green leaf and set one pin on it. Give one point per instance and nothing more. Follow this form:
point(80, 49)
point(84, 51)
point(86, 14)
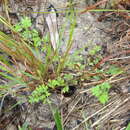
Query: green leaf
point(46, 38)
point(68, 77)
point(65, 89)
point(105, 86)
point(101, 92)
point(17, 27)
point(96, 77)
point(114, 70)
point(27, 34)
point(36, 40)
point(52, 83)
point(95, 50)
point(41, 93)
point(96, 91)
point(35, 33)
point(57, 119)
point(128, 127)
point(61, 81)
point(104, 98)
point(26, 22)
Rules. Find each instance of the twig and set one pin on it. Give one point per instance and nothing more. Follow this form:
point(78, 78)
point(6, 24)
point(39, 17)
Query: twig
point(92, 115)
point(98, 82)
point(93, 6)
point(71, 111)
point(120, 58)
point(111, 56)
point(109, 113)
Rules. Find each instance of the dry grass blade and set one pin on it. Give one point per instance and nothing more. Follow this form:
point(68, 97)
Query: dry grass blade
point(52, 24)
point(18, 50)
point(21, 53)
point(92, 115)
point(120, 103)
point(71, 111)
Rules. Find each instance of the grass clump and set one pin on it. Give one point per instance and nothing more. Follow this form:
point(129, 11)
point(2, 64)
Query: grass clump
point(36, 66)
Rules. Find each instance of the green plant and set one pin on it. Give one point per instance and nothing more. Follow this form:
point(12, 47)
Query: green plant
point(64, 57)
point(69, 78)
point(93, 60)
point(31, 70)
point(114, 70)
point(74, 60)
point(94, 50)
point(41, 93)
point(59, 82)
point(101, 91)
point(24, 28)
point(26, 66)
point(57, 118)
point(94, 57)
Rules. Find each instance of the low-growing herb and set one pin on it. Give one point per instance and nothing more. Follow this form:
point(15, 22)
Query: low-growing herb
point(101, 91)
point(41, 93)
point(24, 28)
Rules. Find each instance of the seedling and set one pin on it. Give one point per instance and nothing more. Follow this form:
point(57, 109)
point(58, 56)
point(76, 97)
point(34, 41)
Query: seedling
point(101, 92)
point(39, 94)
point(23, 27)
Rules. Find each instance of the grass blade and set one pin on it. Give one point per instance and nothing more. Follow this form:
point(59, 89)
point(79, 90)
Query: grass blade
point(57, 119)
